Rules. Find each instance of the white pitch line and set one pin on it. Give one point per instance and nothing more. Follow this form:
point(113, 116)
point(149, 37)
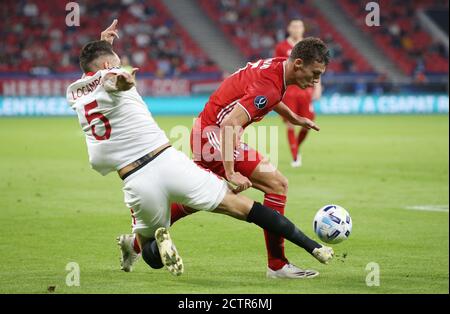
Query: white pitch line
point(429, 208)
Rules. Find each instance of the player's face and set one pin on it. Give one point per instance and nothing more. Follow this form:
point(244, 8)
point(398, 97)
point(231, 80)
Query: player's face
point(296, 29)
point(306, 75)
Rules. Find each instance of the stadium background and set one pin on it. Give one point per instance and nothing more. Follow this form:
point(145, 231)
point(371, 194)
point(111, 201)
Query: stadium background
point(184, 49)
point(385, 103)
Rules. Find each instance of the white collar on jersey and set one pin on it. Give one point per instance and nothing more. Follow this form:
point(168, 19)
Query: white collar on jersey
point(284, 73)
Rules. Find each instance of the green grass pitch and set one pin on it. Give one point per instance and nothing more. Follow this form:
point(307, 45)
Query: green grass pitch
point(54, 210)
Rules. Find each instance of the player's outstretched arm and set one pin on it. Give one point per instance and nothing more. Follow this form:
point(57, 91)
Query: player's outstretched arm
point(110, 33)
point(230, 131)
point(293, 118)
point(119, 82)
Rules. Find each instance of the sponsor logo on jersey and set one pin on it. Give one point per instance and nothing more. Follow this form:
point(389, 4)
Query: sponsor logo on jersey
point(260, 102)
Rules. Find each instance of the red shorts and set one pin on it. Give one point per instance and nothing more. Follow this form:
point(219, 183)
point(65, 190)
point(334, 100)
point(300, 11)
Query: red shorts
point(300, 102)
point(205, 147)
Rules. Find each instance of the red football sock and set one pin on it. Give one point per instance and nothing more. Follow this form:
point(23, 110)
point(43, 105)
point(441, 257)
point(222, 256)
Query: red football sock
point(136, 246)
point(274, 243)
point(177, 211)
point(302, 136)
point(292, 143)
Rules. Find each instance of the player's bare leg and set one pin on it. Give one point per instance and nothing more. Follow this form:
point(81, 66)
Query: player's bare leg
point(269, 179)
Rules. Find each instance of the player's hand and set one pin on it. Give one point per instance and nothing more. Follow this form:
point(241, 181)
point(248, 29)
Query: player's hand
point(125, 80)
point(133, 73)
point(110, 33)
point(240, 182)
point(308, 124)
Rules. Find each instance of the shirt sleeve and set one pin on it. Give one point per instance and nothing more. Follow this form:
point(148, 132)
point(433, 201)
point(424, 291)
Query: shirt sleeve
point(259, 99)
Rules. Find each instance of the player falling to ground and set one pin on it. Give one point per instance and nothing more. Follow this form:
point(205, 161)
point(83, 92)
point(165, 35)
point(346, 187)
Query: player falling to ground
point(122, 136)
point(298, 100)
point(243, 98)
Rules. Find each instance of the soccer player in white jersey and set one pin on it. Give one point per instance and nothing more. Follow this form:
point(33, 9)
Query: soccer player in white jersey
point(122, 136)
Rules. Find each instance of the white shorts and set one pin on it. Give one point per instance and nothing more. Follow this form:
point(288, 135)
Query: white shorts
point(170, 177)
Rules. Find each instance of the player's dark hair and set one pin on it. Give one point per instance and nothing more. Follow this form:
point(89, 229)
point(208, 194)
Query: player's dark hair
point(92, 51)
point(311, 49)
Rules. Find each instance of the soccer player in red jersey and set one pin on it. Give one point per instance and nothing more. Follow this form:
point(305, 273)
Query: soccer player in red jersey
point(243, 98)
point(298, 100)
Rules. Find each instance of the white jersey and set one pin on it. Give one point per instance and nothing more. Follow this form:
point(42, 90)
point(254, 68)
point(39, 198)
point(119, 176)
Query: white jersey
point(119, 128)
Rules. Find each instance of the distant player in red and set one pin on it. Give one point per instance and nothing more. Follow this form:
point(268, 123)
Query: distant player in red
point(298, 100)
point(243, 98)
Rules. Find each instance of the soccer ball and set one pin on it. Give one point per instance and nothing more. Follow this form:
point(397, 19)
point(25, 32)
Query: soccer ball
point(332, 224)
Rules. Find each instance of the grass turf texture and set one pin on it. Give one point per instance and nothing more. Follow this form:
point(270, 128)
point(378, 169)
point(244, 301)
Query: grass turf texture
point(55, 210)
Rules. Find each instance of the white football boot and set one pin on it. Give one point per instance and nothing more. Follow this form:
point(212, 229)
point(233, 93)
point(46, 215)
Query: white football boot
point(323, 254)
point(290, 271)
point(129, 256)
point(169, 254)
point(297, 163)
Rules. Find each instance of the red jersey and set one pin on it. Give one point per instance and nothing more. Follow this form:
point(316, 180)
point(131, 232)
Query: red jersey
point(257, 88)
point(283, 49)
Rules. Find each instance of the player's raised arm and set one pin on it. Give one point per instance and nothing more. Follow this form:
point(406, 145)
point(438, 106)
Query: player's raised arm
point(110, 33)
point(293, 118)
point(230, 130)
